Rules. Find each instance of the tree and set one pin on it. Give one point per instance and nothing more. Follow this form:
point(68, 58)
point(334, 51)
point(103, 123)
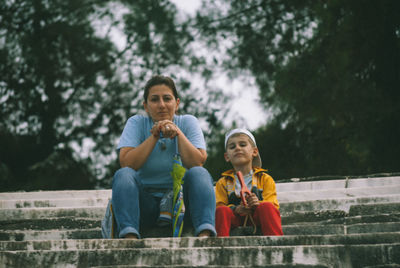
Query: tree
point(46, 82)
point(330, 70)
point(67, 89)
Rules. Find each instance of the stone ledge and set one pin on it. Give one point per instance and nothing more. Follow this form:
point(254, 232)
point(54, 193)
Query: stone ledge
point(188, 242)
point(328, 255)
point(326, 224)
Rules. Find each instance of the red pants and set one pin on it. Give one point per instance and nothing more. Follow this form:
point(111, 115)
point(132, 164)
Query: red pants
point(265, 215)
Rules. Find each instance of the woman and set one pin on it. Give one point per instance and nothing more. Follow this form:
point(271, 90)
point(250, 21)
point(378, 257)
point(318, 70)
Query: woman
point(146, 150)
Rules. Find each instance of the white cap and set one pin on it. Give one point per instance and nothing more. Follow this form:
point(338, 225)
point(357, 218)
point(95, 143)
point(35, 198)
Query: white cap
point(256, 159)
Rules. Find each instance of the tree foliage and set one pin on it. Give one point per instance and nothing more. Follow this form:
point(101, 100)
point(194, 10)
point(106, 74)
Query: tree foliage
point(331, 72)
point(67, 89)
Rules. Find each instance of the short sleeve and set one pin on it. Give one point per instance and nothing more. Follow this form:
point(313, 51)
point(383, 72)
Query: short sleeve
point(191, 128)
point(132, 135)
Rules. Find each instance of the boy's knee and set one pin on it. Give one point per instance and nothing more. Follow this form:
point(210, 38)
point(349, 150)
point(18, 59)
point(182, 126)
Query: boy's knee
point(266, 206)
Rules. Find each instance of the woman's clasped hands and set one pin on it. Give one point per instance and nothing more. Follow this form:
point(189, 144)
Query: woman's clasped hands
point(166, 127)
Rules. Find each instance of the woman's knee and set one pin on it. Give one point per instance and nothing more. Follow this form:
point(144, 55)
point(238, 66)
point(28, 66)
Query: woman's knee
point(124, 176)
point(197, 175)
point(197, 171)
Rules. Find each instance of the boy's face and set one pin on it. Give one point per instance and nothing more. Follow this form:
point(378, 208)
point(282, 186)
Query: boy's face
point(240, 151)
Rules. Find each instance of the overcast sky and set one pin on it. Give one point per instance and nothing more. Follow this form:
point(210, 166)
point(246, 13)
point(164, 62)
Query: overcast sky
point(245, 98)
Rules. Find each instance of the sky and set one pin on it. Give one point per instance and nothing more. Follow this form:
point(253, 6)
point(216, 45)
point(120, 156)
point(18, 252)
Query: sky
point(189, 6)
point(244, 97)
point(244, 106)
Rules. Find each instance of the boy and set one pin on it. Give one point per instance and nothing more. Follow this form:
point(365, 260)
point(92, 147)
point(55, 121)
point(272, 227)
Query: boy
point(262, 205)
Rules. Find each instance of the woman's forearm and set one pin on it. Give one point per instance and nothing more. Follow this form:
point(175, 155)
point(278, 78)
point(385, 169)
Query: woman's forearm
point(135, 157)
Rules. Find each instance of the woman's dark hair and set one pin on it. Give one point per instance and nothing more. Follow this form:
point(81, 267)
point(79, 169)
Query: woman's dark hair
point(159, 80)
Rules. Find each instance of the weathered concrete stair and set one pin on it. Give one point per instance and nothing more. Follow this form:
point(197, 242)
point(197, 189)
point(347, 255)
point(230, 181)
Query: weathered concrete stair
point(328, 223)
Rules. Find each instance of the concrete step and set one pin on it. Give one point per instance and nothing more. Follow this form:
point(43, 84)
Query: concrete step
point(97, 212)
point(373, 227)
point(59, 217)
point(48, 200)
point(50, 223)
point(293, 251)
point(342, 204)
point(337, 184)
point(190, 242)
point(84, 223)
point(337, 193)
point(331, 223)
point(377, 212)
point(65, 194)
point(373, 209)
point(95, 233)
point(41, 203)
point(342, 255)
point(287, 192)
point(332, 229)
point(214, 266)
point(44, 213)
point(51, 234)
point(303, 223)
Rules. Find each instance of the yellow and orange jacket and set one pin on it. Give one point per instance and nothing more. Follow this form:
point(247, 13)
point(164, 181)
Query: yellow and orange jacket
point(262, 185)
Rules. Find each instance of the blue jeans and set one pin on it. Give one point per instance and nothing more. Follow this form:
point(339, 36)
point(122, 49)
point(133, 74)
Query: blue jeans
point(133, 206)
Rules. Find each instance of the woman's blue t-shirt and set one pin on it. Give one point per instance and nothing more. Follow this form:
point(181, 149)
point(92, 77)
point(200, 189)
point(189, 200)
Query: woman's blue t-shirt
point(155, 173)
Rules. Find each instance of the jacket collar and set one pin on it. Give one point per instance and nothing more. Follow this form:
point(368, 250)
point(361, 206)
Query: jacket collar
point(231, 173)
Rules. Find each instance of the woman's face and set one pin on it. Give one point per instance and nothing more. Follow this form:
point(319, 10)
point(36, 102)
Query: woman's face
point(161, 103)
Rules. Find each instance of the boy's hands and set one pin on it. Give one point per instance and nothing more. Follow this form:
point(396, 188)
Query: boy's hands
point(252, 203)
point(243, 211)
